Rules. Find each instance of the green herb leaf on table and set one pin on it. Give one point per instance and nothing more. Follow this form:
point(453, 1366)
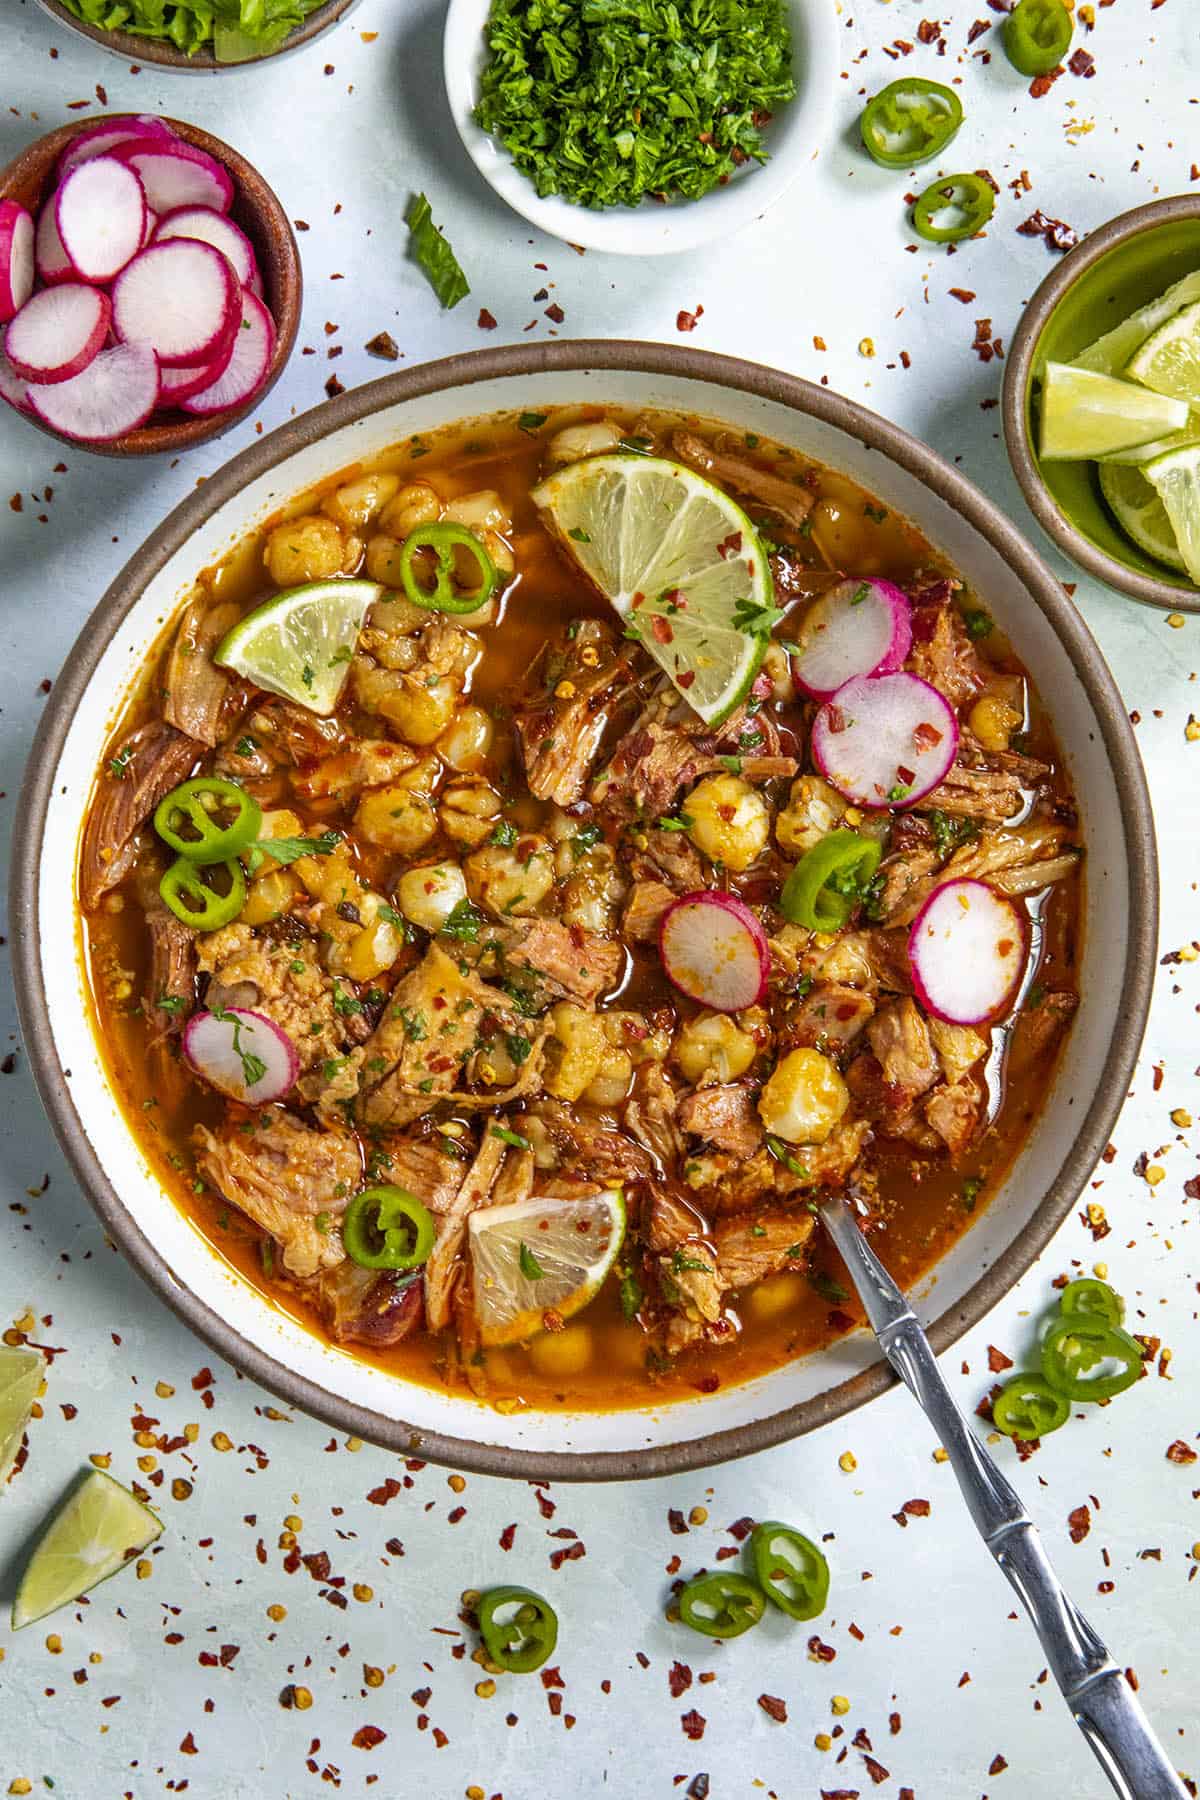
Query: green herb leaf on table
point(433, 254)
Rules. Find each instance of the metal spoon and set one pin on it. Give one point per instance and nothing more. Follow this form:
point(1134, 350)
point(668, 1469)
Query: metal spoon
point(1102, 1703)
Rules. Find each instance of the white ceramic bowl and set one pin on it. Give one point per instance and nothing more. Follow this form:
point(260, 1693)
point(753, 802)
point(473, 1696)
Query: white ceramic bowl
point(794, 138)
point(1115, 971)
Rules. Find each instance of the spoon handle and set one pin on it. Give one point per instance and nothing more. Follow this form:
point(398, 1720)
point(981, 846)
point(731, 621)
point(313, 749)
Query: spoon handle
point(1102, 1702)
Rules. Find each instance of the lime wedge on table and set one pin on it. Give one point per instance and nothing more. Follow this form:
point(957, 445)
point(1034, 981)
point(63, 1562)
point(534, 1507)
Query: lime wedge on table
point(299, 644)
point(573, 1243)
point(1085, 414)
point(93, 1534)
point(1169, 360)
point(1139, 512)
point(1112, 352)
point(1175, 478)
point(21, 1373)
point(679, 560)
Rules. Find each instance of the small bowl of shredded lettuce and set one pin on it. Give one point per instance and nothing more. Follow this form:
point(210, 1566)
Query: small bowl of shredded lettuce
point(641, 126)
point(199, 35)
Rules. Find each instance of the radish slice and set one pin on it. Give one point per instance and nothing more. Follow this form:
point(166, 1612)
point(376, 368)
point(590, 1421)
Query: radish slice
point(967, 948)
point(857, 628)
point(53, 263)
point(116, 393)
point(242, 1053)
point(12, 388)
point(101, 216)
point(885, 742)
point(714, 950)
point(16, 257)
point(249, 366)
point(177, 174)
point(209, 227)
point(181, 297)
point(102, 138)
point(178, 384)
point(58, 333)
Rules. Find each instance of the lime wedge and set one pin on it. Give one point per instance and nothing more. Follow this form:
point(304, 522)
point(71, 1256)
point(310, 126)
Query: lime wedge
point(1175, 478)
point(1085, 414)
point(539, 1254)
point(1113, 351)
point(21, 1373)
point(1144, 453)
point(299, 644)
point(1169, 360)
point(681, 563)
point(1139, 512)
point(93, 1534)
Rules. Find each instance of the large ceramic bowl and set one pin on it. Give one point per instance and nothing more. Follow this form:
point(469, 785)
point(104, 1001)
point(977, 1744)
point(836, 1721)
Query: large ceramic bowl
point(1114, 975)
point(132, 47)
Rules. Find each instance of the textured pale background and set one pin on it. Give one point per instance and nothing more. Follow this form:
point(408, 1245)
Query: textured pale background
point(344, 145)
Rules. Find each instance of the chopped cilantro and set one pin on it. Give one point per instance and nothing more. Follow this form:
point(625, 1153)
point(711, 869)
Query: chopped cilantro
point(827, 1287)
point(505, 834)
point(531, 422)
point(463, 922)
point(779, 1150)
point(531, 1268)
point(506, 1136)
point(979, 624)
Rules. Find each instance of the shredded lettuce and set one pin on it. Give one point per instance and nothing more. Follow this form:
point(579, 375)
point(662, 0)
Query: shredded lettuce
point(433, 254)
point(234, 30)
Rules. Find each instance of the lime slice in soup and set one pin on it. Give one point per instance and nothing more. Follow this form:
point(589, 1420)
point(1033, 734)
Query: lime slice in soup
point(1139, 512)
point(21, 1373)
point(99, 1527)
point(1175, 478)
point(541, 1255)
point(1169, 360)
point(1085, 414)
point(299, 643)
point(680, 561)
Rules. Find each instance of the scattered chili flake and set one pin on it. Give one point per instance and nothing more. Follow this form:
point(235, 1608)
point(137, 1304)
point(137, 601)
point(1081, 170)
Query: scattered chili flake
point(367, 1737)
point(741, 1529)
point(1082, 63)
point(188, 1746)
point(693, 1724)
point(819, 1652)
point(876, 1770)
point(1180, 1452)
point(1040, 86)
point(966, 295)
point(688, 321)
point(679, 1679)
point(387, 1490)
point(997, 1765)
point(997, 1361)
point(1079, 1523)
point(383, 345)
point(977, 30)
point(676, 1521)
point(334, 387)
point(1056, 233)
point(698, 1787)
point(507, 1537)
point(774, 1707)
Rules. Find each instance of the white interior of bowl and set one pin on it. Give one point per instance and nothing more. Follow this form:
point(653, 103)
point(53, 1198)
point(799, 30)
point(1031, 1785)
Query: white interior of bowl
point(342, 1376)
point(792, 139)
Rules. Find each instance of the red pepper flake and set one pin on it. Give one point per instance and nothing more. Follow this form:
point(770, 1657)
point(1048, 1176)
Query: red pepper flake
point(928, 31)
point(1079, 1523)
point(572, 1553)
point(730, 546)
point(552, 1678)
point(388, 1489)
point(420, 1697)
point(925, 737)
point(894, 1723)
point(1180, 1452)
point(684, 679)
point(1056, 233)
point(554, 311)
point(916, 1509)
point(679, 1679)
point(1083, 63)
point(203, 1379)
point(334, 387)
point(997, 1361)
point(16, 503)
point(741, 1529)
point(384, 346)
point(555, 1703)
point(774, 1707)
point(835, 718)
point(819, 1652)
point(839, 1794)
point(1040, 86)
point(966, 295)
point(661, 629)
point(486, 320)
point(997, 1765)
point(318, 1565)
point(440, 1738)
point(698, 1787)
point(188, 1746)
point(676, 1521)
point(977, 30)
point(876, 1770)
point(688, 321)
point(693, 1724)
point(508, 1537)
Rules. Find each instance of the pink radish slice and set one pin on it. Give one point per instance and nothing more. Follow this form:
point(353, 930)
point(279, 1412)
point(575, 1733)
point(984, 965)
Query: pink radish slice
point(209, 227)
point(53, 263)
point(967, 948)
point(228, 1047)
point(857, 628)
point(182, 297)
point(58, 333)
point(249, 365)
point(16, 257)
point(177, 174)
point(885, 741)
point(102, 138)
point(101, 216)
point(714, 950)
point(116, 393)
point(12, 388)
point(178, 384)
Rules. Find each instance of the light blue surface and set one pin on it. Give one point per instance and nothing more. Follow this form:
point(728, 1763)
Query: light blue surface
point(344, 149)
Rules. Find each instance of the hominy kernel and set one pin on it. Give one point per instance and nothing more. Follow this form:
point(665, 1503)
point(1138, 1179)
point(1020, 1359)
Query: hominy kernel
point(565, 690)
point(847, 1462)
point(485, 1689)
point(840, 1705)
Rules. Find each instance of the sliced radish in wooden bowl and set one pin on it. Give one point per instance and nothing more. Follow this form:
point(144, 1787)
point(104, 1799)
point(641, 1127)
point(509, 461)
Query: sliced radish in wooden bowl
point(100, 213)
point(16, 257)
point(967, 947)
point(177, 174)
point(103, 138)
point(12, 388)
point(209, 227)
point(116, 393)
point(857, 628)
point(59, 332)
point(248, 367)
point(714, 950)
point(178, 384)
point(886, 741)
point(53, 263)
point(181, 297)
point(243, 1053)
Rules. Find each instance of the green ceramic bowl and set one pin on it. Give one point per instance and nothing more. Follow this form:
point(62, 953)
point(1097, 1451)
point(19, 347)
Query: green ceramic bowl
point(1127, 262)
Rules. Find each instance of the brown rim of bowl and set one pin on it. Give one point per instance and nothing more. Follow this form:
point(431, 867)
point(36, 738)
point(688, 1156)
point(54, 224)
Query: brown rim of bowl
point(585, 361)
point(1021, 351)
point(147, 50)
point(256, 207)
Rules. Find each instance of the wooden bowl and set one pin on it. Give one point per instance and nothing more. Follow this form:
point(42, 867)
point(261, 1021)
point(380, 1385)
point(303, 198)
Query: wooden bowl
point(258, 211)
point(149, 50)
